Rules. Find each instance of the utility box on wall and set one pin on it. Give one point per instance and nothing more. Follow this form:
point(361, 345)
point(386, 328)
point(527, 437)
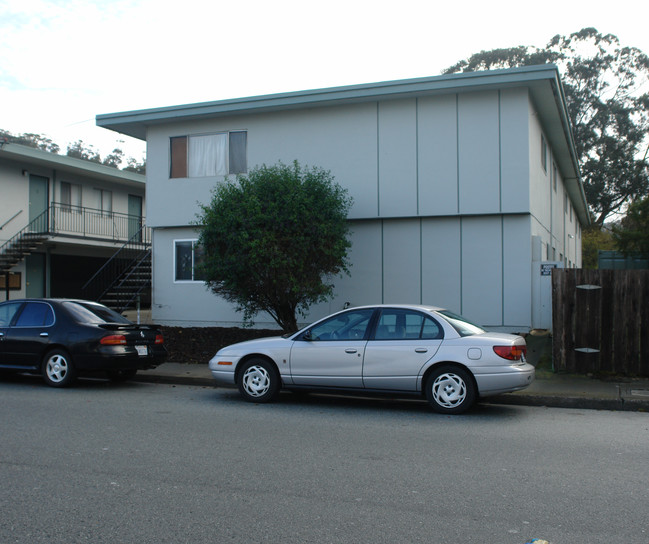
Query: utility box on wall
point(542, 293)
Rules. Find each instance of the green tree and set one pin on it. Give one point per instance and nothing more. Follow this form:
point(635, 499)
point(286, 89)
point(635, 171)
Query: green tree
point(604, 84)
point(79, 150)
point(632, 234)
point(134, 166)
point(114, 159)
point(593, 239)
point(273, 240)
point(37, 141)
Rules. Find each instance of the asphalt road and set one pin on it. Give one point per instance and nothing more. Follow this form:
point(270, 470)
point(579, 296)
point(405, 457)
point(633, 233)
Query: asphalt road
point(154, 463)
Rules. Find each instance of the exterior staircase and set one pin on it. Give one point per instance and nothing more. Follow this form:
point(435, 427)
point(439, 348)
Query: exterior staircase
point(124, 282)
point(14, 250)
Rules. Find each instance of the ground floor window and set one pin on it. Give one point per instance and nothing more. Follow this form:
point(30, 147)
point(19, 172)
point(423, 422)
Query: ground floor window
point(187, 258)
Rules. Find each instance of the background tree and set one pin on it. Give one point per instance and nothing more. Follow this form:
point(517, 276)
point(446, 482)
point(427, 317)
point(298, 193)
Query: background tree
point(632, 234)
point(273, 240)
point(604, 84)
point(29, 139)
point(594, 239)
point(79, 150)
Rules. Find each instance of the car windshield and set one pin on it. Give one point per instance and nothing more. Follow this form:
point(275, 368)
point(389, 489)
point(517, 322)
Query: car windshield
point(94, 313)
point(463, 326)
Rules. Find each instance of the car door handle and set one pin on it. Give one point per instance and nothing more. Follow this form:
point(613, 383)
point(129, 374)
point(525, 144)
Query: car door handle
point(421, 350)
point(44, 334)
point(351, 350)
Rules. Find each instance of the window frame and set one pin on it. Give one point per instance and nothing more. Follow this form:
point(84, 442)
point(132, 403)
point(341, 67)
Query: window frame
point(179, 154)
point(69, 190)
point(104, 196)
point(194, 260)
point(405, 312)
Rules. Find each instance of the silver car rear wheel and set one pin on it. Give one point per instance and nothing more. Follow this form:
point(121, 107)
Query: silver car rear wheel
point(258, 381)
point(450, 390)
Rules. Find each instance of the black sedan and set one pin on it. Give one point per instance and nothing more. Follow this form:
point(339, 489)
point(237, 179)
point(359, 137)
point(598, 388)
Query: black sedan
point(63, 338)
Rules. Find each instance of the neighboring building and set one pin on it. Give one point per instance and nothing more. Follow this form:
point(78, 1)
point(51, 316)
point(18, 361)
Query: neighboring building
point(61, 220)
point(463, 186)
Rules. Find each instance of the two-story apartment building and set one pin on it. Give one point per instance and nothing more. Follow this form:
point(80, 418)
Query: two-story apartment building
point(61, 220)
point(463, 186)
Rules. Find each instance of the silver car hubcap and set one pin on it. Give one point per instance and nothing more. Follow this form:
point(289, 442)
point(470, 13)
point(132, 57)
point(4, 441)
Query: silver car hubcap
point(256, 381)
point(57, 368)
point(449, 390)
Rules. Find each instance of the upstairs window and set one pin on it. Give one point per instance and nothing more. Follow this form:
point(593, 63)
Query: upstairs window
point(209, 155)
point(71, 197)
point(104, 201)
point(544, 154)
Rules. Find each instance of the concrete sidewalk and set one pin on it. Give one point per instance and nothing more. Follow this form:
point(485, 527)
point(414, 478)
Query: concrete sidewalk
point(548, 389)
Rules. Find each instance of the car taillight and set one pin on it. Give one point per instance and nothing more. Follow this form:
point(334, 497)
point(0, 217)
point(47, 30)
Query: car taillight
point(512, 353)
point(159, 339)
point(113, 340)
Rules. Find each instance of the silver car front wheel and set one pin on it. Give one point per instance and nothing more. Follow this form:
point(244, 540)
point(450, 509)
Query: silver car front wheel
point(258, 381)
point(450, 390)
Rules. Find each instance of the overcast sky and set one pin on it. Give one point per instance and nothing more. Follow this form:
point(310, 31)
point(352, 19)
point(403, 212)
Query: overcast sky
point(62, 62)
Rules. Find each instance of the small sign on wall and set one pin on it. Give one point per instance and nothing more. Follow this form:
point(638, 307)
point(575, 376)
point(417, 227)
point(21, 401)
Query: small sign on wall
point(547, 268)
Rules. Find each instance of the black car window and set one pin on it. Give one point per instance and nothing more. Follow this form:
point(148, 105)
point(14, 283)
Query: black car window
point(351, 325)
point(401, 324)
point(7, 312)
point(36, 314)
point(94, 313)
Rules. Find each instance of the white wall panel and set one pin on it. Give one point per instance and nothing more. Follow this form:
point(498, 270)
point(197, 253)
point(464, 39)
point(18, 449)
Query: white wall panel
point(441, 263)
point(517, 271)
point(401, 262)
point(479, 152)
point(397, 158)
point(514, 150)
point(482, 269)
point(437, 155)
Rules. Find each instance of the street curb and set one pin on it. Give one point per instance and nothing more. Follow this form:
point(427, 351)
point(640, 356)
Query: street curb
point(586, 403)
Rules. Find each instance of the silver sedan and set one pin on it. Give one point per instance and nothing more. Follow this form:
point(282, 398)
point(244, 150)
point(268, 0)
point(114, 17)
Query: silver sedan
point(396, 349)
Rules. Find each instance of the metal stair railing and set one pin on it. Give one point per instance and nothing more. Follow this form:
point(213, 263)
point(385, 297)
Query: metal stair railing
point(111, 276)
point(24, 241)
point(127, 289)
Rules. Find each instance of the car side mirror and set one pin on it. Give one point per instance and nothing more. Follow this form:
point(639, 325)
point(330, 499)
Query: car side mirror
point(307, 336)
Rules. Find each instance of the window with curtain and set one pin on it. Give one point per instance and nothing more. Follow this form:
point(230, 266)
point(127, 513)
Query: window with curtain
point(208, 155)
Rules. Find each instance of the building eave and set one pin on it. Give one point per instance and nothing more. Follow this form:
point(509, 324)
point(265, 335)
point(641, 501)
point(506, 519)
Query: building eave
point(64, 164)
point(543, 82)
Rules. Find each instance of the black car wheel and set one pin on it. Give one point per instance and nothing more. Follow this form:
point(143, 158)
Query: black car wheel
point(450, 390)
point(58, 369)
point(258, 381)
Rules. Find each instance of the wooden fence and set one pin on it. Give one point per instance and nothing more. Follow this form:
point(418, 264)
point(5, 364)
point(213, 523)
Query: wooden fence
point(600, 321)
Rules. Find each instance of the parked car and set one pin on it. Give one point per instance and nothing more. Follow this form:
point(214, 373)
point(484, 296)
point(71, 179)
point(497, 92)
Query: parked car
point(63, 338)
point(396, 349)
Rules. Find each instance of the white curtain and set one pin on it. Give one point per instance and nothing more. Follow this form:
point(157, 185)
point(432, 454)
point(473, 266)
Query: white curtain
point(207, 155)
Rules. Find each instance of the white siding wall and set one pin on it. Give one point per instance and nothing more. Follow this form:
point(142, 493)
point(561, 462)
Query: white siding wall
point(442, 201)
point(15, 198)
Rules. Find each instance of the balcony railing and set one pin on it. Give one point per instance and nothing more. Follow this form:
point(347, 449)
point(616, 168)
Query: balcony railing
point(67, 220)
